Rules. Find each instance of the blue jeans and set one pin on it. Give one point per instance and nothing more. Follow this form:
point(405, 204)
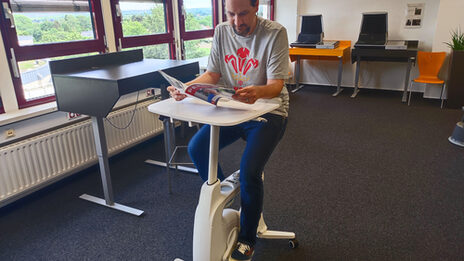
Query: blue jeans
point(261, 138)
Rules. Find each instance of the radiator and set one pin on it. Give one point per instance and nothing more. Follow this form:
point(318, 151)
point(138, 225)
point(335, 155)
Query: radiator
point(31, 164)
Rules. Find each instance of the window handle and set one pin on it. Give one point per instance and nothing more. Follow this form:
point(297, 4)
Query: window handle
point(184, 14)
point(14, 64)
point(118, 11)
point(183, 48)
point(120, 44)
point(9, 14)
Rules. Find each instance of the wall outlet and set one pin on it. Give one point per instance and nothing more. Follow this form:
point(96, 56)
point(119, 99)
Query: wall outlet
point(150, 92)
point(10, 133)
point(72, 115)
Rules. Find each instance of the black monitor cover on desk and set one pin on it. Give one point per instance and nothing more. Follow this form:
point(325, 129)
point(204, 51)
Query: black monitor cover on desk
point(311, 31)
point(311, 24)
point(374, 29)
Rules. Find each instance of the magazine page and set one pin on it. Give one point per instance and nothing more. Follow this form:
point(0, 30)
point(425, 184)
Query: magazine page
point(210, 93)
point(206, 92)
point(174, 82)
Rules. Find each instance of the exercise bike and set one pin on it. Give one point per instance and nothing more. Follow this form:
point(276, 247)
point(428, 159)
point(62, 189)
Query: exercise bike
point(216, 227)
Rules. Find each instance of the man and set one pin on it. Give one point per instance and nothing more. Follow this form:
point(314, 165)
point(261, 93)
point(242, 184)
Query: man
point(250, 54)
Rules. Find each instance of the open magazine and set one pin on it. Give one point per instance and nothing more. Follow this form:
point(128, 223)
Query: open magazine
point(206, 92)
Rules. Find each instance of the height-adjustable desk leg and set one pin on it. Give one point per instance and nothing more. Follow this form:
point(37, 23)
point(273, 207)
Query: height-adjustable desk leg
point(356, 78)
point(102, 153)
point(339, 79)
point(297, 74)
point(169, 150)
point(406, 80)
point(168, 144)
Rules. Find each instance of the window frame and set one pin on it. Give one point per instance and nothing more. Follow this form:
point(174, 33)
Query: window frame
point(271, 16)
point(198, 34)
point(47, 50)
point(144, 40)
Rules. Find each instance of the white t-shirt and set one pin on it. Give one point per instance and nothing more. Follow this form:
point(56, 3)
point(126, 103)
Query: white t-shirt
point(251, 60)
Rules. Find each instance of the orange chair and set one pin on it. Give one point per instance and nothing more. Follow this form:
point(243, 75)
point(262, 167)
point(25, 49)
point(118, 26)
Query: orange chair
point(429, 66)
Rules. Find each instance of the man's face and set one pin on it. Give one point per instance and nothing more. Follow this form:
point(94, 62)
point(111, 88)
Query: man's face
point(241, 15)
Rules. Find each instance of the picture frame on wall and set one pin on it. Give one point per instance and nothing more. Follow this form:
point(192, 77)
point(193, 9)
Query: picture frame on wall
point(414, 15)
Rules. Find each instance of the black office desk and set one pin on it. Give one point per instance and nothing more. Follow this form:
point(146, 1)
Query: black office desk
point(381, 55)
point(92, 85)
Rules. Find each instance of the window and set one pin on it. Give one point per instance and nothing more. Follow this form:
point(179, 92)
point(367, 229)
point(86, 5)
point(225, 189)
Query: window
point(144, 23)
point(197, 21)
point(37, 31)
point(198, 15)
point(198, 48)
point(150, 24)
point(158, 51)
point(266, 9)
point(1, 105)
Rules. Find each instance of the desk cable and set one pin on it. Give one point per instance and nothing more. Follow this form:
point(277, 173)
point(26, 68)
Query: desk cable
point(131, 119)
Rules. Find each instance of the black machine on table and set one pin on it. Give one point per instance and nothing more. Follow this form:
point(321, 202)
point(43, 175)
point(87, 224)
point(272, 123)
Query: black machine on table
point(373, 45)
point(92, 85)
point(311, 32)
point(374, 30)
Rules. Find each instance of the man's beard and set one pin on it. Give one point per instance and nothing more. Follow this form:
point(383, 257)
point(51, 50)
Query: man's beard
point(244, 32)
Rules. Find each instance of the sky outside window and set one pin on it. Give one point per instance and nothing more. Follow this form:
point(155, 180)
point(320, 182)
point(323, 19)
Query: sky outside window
point(140, 6)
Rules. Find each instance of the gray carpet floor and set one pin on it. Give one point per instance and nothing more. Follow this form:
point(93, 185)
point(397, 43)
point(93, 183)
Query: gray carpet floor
point(356, 179)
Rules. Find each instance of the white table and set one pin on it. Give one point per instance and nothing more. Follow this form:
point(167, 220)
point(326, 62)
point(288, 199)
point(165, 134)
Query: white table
point(225, 114)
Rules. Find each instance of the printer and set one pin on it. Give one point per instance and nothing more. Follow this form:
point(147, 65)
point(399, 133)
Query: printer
point(374, 30)
point(311, 31)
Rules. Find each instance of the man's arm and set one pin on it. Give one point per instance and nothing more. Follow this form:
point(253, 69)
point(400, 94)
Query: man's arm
point(207, 77)
point(251, 93)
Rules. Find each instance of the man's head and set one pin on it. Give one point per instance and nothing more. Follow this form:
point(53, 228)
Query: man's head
point(241, 14)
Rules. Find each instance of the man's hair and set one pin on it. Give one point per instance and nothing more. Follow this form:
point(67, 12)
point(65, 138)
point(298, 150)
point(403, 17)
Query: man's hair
point(252, 2)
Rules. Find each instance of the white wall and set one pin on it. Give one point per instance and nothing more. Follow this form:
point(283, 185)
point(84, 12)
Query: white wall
point(449, 18)
point(108, 24)
point(342, 21)
point(285, 11)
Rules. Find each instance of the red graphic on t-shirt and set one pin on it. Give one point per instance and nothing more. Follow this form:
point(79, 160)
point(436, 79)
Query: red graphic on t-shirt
point(250, 63)
point(242, 54)
point(243, 65)
point(233, 60)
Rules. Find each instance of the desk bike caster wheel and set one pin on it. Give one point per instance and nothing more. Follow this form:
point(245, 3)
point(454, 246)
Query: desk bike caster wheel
point(293, 243)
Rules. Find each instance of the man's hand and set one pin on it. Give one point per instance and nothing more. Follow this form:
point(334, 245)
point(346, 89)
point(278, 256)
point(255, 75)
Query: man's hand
point(251, 93)
point(174, 93)
point(247, 94)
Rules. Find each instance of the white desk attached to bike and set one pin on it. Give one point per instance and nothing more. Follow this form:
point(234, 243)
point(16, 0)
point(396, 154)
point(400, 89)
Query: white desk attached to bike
point(216, 229)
